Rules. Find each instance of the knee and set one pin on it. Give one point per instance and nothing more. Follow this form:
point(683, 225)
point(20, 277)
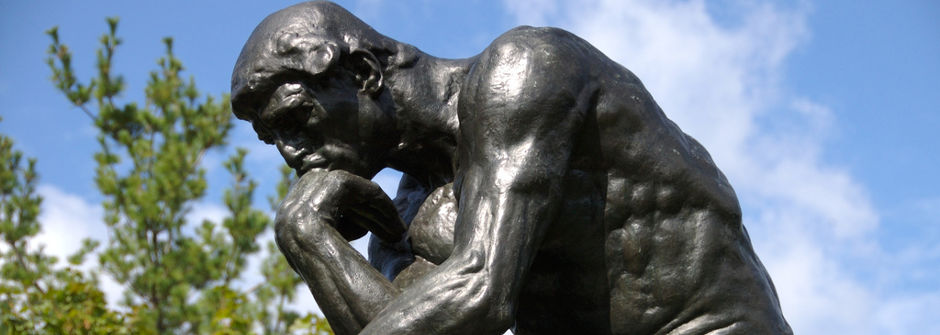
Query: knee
point(284, 232)
point(495, 303)
point(487, 294)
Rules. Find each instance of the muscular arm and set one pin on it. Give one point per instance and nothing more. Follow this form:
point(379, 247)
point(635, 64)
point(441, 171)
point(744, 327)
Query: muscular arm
point(349, 291)
point(515, 150)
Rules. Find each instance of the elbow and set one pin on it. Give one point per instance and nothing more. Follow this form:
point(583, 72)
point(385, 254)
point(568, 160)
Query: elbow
point(293, 230)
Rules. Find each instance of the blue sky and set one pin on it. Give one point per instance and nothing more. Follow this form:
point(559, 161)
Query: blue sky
point(823, 114)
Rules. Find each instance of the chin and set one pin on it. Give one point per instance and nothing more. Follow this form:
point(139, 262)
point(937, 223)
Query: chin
point(350, 161)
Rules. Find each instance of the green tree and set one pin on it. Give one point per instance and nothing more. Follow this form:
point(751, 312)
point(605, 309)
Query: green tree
point(34, 293)
point(179, 276)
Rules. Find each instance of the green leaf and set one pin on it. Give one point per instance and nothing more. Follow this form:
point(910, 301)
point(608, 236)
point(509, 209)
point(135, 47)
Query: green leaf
point(178, 276)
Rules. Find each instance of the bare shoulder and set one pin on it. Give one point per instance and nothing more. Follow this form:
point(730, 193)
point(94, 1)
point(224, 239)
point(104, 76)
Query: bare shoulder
point(549, 42)
point(537, 52)
point(531, 69)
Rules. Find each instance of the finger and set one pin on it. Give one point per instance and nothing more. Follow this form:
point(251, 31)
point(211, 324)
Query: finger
point(350, 231)
point(357, 186)
point(388, 227)
point(380, 209)
point(368, 206)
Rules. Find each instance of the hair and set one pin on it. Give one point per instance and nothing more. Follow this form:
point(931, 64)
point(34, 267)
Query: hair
point(311, 37)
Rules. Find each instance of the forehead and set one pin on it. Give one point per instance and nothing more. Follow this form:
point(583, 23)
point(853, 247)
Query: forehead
point(273, 50)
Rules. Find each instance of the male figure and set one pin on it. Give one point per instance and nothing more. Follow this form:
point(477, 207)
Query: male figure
point(576, 205)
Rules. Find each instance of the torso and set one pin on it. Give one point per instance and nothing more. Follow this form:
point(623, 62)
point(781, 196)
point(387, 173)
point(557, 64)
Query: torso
point(648, 239)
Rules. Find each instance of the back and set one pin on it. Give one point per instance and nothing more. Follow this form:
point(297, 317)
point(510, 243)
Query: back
point(677, 259)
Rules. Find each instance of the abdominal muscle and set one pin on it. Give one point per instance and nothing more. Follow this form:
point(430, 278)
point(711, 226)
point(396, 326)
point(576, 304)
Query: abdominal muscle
point(684, 268)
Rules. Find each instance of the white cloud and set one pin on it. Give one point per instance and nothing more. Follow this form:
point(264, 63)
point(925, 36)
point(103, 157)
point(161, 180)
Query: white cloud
point(910, 315)
point(201, 211)
point(66, 220)
point(812, 223)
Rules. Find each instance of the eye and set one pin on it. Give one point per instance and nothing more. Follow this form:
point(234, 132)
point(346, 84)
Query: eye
point(288, 107)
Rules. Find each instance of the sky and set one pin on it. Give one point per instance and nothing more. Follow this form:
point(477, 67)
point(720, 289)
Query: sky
point(824, 115)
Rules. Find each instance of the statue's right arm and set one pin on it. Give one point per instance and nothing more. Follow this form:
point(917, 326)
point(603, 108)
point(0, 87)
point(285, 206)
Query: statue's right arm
point(349, 291)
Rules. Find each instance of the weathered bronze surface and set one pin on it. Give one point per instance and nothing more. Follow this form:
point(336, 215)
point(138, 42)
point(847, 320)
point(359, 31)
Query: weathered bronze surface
point(544, 190)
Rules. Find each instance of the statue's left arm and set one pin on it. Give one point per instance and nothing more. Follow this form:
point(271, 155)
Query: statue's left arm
point(516, 140)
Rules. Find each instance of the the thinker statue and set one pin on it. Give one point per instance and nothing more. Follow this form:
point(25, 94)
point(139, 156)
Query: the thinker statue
point(544, 190)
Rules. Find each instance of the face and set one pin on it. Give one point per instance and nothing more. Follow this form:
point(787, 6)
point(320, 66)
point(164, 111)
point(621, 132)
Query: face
point(303, 93)
point(318, 124)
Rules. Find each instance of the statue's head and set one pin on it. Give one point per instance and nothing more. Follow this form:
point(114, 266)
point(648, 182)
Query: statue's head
point(309, 79)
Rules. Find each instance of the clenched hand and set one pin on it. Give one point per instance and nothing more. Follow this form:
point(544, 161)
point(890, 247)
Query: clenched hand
point(351, 204)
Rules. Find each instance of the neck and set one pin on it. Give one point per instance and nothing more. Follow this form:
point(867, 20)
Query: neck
point(425, 94)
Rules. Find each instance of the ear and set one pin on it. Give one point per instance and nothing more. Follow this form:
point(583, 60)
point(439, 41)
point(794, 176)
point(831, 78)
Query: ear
point(368, 71)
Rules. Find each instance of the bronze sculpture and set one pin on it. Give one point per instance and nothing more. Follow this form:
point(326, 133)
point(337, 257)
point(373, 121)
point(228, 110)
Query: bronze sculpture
point(543, 190)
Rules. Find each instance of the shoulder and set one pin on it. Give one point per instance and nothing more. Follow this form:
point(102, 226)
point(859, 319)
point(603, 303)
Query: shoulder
point(534, 38)
point(528, 65)
point(535, 45)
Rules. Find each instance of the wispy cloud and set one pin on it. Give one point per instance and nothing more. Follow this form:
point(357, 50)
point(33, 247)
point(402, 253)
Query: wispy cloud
point(722, 81)
point(66, 220)
point(202, 211)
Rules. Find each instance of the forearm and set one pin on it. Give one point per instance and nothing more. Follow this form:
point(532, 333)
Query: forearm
point(349, 291)
point(452, 299)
